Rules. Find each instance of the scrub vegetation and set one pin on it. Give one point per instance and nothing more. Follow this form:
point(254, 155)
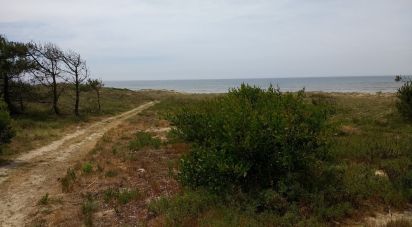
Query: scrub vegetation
point(262, 157)
point(252, 157)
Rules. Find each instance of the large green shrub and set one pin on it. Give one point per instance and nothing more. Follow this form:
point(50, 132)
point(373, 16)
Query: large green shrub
point(404, 103)
point(252, 139)
point(6, 132)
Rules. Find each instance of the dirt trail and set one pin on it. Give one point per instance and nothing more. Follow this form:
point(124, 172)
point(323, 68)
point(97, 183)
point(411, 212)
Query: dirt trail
point(36, 172)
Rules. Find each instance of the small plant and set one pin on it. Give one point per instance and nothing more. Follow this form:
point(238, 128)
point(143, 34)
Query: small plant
point(399, 223)
point(109, 194)
point(44, 200)
point(142, 140)
point(87, 167)
point(89, 206)
point(273, 201)
point(123, 196)
point(111, 173)
point(68, 180)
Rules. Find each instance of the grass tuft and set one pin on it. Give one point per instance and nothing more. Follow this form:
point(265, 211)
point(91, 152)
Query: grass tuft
point(144, 140)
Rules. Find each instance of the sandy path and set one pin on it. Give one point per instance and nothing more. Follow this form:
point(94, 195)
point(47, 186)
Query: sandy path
point(35, 173)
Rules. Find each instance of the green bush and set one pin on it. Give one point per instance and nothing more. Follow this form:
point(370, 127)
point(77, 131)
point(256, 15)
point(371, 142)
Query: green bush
point(252, 139)
point(6, 132)
point(404, 103)
point(87, 167)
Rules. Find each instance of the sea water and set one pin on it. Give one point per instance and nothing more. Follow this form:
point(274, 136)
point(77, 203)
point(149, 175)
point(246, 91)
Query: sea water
point(364, 84)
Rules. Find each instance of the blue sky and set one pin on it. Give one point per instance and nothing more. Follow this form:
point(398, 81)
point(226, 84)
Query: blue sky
point(193, 39)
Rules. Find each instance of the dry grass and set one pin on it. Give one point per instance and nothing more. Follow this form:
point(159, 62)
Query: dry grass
point(117, 169)
point(39, 126)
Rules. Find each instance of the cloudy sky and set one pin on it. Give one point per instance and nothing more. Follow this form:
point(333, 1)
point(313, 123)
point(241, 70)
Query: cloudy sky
point(181, 39)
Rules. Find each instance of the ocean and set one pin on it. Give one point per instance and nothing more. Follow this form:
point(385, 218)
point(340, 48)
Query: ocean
point(363, 84)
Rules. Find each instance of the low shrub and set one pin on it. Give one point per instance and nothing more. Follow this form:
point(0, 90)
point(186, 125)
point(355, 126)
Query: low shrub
point(87, 167)
point(404, 103)
point(252, 139)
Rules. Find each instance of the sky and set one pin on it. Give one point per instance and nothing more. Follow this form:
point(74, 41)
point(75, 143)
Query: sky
point(205, 39)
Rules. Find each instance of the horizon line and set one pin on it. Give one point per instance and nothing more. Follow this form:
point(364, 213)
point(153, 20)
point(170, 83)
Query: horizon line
point(248, 78)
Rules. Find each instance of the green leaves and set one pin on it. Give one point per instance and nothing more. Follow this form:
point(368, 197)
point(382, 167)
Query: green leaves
point(404, 103)
point(250, 138)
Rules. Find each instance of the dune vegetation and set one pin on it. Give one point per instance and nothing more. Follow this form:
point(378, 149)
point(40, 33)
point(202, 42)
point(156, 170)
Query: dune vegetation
point(252, 157)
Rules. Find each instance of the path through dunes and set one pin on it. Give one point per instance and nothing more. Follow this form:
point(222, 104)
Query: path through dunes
point(35, 173)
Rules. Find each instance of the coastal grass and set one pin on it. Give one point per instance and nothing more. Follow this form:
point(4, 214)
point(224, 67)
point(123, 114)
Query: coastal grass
point(38, 125)
point(370, 170)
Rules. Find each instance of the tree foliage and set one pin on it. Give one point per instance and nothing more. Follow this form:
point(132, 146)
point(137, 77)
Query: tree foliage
point(23, 66)
point(13, 64)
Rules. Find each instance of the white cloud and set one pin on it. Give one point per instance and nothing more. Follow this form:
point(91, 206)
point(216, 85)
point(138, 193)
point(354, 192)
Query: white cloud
point(146, 39)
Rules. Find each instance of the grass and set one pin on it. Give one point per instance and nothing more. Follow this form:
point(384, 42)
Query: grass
point(122, 196)
point(399, 223)
point(368, 136)
point(89, 206)
point(111, 173)
point(68, 180)
point(87, 168)
point(44, 200)
point(39, 125)
point(144, 140)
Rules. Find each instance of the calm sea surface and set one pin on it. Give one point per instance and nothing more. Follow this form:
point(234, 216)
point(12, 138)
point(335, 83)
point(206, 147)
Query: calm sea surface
point(366, 84)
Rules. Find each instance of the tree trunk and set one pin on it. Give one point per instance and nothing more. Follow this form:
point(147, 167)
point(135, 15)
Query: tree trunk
point(21, 100)
point(6, 95)
point(21, 103)
point(98, 98)
point(76, 105)
point(55, 96)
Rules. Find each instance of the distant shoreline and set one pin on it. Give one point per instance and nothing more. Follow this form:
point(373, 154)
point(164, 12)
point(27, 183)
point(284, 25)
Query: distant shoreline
point(367, 84)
